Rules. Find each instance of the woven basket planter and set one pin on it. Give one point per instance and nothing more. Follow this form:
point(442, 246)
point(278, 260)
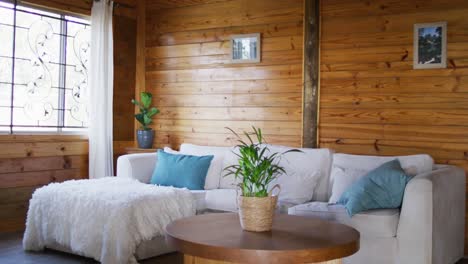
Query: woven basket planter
point(256, 213)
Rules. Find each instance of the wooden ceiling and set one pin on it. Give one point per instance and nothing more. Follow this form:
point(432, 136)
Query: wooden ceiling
point(164, 4)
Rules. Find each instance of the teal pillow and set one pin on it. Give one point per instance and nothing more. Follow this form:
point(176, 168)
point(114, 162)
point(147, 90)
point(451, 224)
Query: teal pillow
point(381, 188)
point(181, 171)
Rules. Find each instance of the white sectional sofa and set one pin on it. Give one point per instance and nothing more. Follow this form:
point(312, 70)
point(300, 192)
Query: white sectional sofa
point(429, 227)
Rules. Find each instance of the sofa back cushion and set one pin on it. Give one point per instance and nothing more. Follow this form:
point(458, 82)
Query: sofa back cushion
point(309, 171)
point(412, 164)
point(306, 174)
point(306, 178)
point(341, 179)
point(356, 166)
point(216, 167)
point(229, 181)
point(223, 157)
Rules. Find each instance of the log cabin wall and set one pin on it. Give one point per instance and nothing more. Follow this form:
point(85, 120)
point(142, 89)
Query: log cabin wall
point(31, 161)
point(199, 91)
point(28, 162)
point(124, 82)
point(372, 101)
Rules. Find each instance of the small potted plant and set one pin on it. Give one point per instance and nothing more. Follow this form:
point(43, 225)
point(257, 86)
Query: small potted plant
point(145, 135)
point(257, 168)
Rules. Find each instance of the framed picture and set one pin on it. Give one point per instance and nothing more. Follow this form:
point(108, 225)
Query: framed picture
point(430, 45)
point(245, 48)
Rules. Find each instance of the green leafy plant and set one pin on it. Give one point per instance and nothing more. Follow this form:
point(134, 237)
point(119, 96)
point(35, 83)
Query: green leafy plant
point(257, 167)
point(145, 117)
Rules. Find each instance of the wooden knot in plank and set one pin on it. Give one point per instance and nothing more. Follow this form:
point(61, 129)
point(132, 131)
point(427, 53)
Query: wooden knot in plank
point(376, 145)
point(405, 56)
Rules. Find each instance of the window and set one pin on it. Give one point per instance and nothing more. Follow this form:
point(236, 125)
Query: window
point(44, 62)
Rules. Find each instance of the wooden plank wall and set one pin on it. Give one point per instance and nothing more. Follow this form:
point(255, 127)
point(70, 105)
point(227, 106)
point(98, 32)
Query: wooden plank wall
point(28, 162)
point(124, 83)
point(197, 88)
point(140, 70)
point(372, 101)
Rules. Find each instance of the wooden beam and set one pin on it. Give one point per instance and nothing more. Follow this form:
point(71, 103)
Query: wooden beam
point(140, 78)
point(311, 68)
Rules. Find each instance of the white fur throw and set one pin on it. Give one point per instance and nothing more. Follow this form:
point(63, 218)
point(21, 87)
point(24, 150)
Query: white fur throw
point(105, 218)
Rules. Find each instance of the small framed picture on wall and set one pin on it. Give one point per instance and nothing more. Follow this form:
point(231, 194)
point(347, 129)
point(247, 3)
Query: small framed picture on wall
point(430, 45)
point(245, 48)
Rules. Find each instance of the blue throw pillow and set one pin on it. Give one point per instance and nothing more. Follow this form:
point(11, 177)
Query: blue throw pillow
point(381, 188)
point(181, 171)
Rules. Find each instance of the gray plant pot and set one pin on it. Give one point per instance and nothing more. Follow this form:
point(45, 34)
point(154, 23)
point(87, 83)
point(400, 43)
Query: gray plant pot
point(145, 138)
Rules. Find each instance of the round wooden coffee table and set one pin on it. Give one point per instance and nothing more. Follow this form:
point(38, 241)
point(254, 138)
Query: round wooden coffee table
point(219, 238)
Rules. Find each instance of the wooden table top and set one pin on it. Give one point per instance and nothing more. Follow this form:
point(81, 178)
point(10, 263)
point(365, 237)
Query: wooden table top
point(294, 239)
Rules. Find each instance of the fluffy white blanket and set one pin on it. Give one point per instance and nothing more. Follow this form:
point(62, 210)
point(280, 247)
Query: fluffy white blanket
point(105, 218)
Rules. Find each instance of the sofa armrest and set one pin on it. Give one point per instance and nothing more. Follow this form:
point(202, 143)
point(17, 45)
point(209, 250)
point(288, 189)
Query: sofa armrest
point(137, 166)
point(431, 226)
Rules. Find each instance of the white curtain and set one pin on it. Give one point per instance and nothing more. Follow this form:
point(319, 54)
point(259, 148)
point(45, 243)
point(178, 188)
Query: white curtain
point(101, 91)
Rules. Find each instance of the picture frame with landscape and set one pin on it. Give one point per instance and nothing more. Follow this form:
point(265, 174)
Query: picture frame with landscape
point(430, 45)
point(245, 48)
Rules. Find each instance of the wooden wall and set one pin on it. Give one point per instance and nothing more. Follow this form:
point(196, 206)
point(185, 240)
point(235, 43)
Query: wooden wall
point(200, 92)
point(31, 161)
point(28, 162)
point(372, 101)
point(124, 82)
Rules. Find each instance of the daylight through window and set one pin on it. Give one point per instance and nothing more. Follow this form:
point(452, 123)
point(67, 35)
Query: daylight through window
point(44, 62)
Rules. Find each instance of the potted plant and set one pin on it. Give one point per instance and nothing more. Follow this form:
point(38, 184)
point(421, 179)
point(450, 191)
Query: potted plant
point(257, 168)
point(145, 135)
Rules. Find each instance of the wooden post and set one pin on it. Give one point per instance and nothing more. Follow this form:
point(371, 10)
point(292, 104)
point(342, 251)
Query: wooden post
point(311, 68)
point(140, 79)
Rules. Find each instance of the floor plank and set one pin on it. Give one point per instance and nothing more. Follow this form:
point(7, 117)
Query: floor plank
point(11, 252)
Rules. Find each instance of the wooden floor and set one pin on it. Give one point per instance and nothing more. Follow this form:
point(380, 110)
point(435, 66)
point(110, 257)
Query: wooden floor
point(11, 252)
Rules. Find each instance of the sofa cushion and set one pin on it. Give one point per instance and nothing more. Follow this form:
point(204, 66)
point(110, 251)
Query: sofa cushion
point(341, 180)
point(353, 165)
point(372, 223)
point(216, 167)
point(199, 196)
point(296, 186)
point(214, 171)
point(302, 173)
point(221, 200)
point(381, 188)
point(306, 175)
point(412, 164)
point(181, 171)
point(229, 181)
point(171, 151)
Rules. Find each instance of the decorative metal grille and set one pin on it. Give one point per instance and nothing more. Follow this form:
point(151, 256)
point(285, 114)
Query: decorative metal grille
point(44, 62)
